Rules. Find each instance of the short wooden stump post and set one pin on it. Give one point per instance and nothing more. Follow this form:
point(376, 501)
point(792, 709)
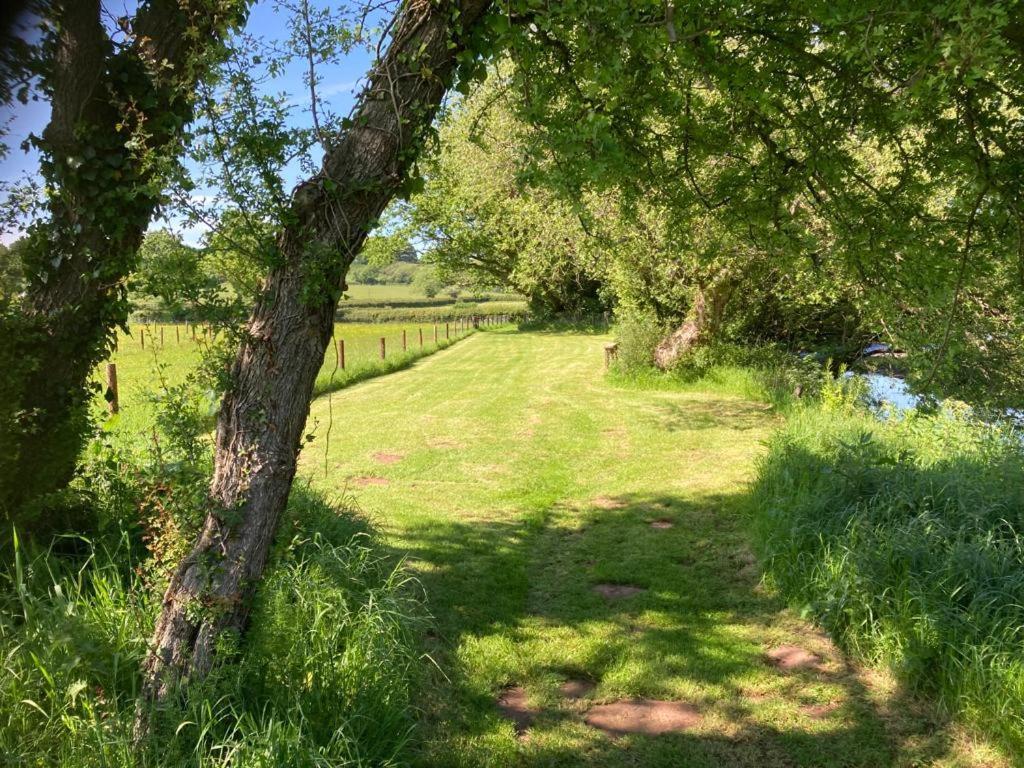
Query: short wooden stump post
point(112, 388)
point(611, 352)
point(341, 354)
point(383, 353)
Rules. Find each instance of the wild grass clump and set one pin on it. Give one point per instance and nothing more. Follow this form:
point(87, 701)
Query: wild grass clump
point(325, 676)
point(903, 538)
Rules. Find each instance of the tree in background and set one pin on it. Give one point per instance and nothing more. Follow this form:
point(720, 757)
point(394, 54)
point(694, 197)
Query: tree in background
point(894, 161)
point(427, 282)
point(170, 272)
point(12, 270)
point(238, 252)
point(488, 230)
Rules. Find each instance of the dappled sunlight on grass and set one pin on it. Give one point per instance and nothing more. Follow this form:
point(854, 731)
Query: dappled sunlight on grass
point(528, 481)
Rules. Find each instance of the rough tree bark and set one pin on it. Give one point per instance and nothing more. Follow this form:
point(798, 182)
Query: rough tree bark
point(118, 114)
point(263, 415)
point(702, 323)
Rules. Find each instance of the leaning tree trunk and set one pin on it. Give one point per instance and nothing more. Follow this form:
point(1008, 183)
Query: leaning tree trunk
point(116, 122)
point(702, 324)
point(264, 413)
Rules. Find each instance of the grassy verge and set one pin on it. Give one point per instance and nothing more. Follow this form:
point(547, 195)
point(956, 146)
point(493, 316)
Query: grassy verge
point(326, 677)
point(903, 539)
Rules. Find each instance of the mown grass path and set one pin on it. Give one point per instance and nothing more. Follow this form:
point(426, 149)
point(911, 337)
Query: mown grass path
point(516, 479)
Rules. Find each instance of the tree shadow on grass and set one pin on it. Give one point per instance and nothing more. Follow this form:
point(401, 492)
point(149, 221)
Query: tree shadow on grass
point(736, 415)
point(515, 604)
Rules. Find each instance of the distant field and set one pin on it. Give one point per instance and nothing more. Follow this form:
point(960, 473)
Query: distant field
point(154, 351)
point(383, 293)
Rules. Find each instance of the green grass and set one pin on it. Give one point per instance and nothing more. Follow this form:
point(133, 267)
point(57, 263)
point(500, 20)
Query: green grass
point(904, 539)
point(382, 293)
point(515, 477)
point(171, 348)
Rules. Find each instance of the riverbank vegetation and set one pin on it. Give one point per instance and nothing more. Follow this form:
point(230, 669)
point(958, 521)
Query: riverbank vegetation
point(902, 537)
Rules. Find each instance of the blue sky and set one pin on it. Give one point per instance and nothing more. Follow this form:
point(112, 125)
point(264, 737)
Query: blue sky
point(340, 83)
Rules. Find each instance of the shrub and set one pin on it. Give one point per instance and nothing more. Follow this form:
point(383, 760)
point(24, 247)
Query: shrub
point(637, 336)
point(903, 538)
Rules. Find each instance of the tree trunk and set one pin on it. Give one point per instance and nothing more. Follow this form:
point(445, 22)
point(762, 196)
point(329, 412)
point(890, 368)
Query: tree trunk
point(117, 118)
point(263, 415)
point(703, 323)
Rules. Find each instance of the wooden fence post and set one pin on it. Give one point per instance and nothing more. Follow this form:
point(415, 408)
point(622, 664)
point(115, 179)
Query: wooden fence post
point(611, 351)
point(435, 333)
point(341, 354)
point(404, 348)
point(193, 331)
point(382, 351)
point(421, 338)
point(142, 337)
point(112, 388)
point(177, 333)
point(447, 335)
point(161, 337)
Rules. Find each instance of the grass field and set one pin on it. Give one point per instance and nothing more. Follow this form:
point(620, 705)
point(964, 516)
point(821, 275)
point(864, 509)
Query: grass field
point(150, 349)
point(382, 293)
point(518, 480)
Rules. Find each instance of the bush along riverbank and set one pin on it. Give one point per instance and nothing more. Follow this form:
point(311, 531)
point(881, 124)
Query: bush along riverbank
point(903, 538)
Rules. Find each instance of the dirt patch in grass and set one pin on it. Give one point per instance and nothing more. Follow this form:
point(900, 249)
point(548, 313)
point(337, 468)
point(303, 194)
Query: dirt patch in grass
point(793, 658)
point(662, 524)
point(576, 688)
point(443, 443)
point(645, 716)
point(607, 502)
point(819, 711)
point(366, 480)
point(513, 705)
point(388, 458)
point(617, 591)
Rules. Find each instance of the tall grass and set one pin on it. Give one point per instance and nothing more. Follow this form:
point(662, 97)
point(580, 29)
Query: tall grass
point(325, 677)
point(903, 538)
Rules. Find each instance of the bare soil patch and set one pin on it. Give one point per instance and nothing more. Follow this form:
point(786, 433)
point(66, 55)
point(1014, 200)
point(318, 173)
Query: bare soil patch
point(513, 705)
point(819, 711)
point(662, 524)
point(607, 502)
point(576, 689)
point(791, 658)
point(645, 716)
point(443, 442)
point(366, 480)
point(388, 458)
point(617, 591)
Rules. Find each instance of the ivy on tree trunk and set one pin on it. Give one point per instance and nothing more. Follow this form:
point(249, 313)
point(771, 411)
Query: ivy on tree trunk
point(262, 419)
point(118, 116)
